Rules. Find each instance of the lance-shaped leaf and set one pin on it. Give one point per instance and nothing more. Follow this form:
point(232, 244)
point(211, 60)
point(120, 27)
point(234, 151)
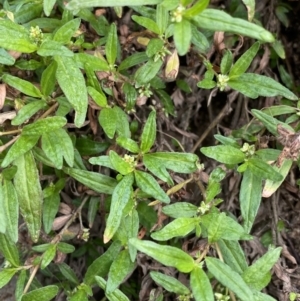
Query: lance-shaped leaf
point(72, 82)
point(178, 162)
point(263, 170)
point(93, 180)
point(196, 9)
point(11, 210)
point(243, 63)
point(28, 187)
point(224, 153)
point(6, 58)
point(111, 46)
point(167, 255)
point(99, 98)
point(6, 275)
point(120, 198)
point(133, 60)
point(9, 250)
point(22, 85)
point(180, 209)
point(214, 19)
point(229, 278)
point(28, 111)
point(3, 221)
point(42, 126)
point(18, 40)
point(20, 147)
point(122, 165)
point(182, 36)
point(271, 186)
point(48, 79)
point(101, 265)
point(181, 226)
point(128, 144)
point(250, 4)
point(48, 6)
point(77, 4)
point(220, 226)
point(233, 255)
point(226, 61)
point(254, 85)
point(52, 48)
point(117, 295)
point(169, 283)
point(250, 197)
point(46, 293)
point(108, 120)
point(200, 284)
point(48, 255)
point(258, 274)
point(149, 185)
point(66, 31)
point(149, 133)
point(148, 71)
point(120, 268)
point(50, 209)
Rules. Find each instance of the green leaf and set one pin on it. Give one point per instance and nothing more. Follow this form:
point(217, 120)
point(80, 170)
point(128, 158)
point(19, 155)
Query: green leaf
point(26, 112)
point(233, 255)
point(42, 126)
point(93, 180)
point(263, 170)
point(229, 278)
point(120, 268)
point(154, 46)
point(119, 164)
point(224, 153)
point(200, 285)
point(128, 144)
point(196, 9)
point(167, 255)
point(50, 209)
point(147, 23)
point(19, 39)
point(254, 85)
point(66, 31)
point(149, 185)
point(148, 71)
point(180, 209)
point(250, 198)
point(111, 46)
point(22, 85)
point(96, 63)
point(68, 273)
point(11, 210)
point(3, 221)
point(214, 19)
point(19, 148)
point(180, 227)
point(220, 226)
point(271, 186)
point(99, 98)
point(52, 48)
point(117, 295)
point(48, 6)
point(122, 122)
point(207, 84)
point(6, 275)
point(48, 79)
point(256, 274)
point(108, 121)
point(120, 197)
point(162, 18)
point(48, 255)
point(157, 169)
point(133, 60)
point(72, 82)
point(88, 147)
point(65, 248)
point(169, 283)
point(182, 36)
point(250, 5)
point(6, 58)
point(243, 63)
point(226, 61)
point(149, 133)
point(102, 161)
point(77, 4)
point(101, 265)
point(178, 162)
point(46, 293)
point(20, 285)
point(29, 193)
point(9, 250)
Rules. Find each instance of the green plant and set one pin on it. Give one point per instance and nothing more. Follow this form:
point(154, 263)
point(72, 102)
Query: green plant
point(88, 80)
